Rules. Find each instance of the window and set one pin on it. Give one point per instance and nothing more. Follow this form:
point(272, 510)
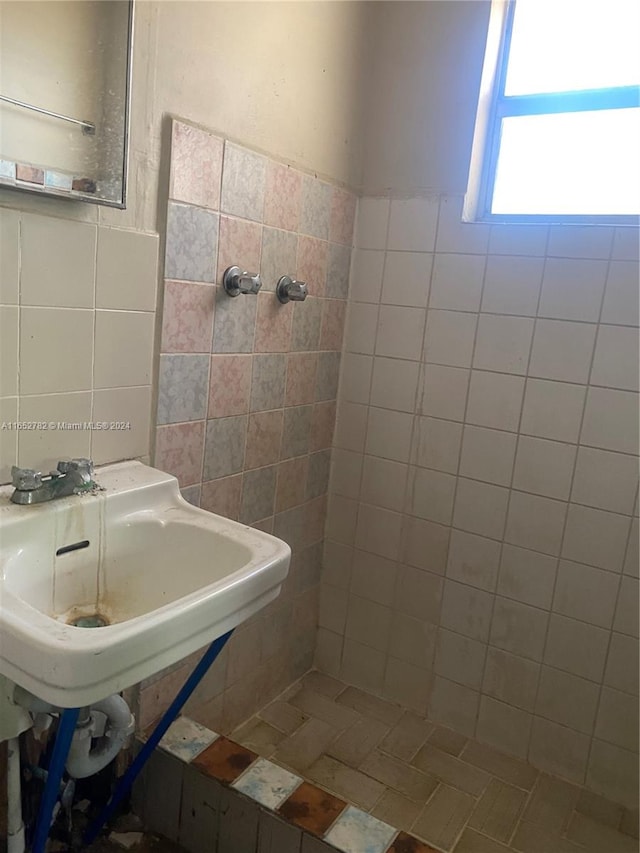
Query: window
point(558, 126)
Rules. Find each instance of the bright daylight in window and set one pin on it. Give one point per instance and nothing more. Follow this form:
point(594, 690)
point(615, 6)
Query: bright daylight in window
point(558, 126)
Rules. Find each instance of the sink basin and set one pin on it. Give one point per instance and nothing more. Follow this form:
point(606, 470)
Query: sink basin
point(102, 590)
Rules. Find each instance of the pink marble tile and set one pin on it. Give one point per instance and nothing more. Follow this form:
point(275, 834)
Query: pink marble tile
point(263, 439)
point(239, 244)
point(223, 496)
point(292, 481)
point(283, 197)
point(342, 216)
point(179, 450)
point(323, 421)
point(229, 385)
point(312, 263)
point(196, 166)
point(29, 174)
point(187, 317)
point(273, 324)
point(301, 378)
point(332, 330)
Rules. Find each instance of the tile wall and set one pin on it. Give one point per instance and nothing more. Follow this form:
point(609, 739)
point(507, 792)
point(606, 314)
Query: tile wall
point(247, 387)
point(77, 313)
point(481, 561)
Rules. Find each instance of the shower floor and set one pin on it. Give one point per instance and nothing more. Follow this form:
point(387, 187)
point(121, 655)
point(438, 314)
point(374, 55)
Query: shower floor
point(451, 792)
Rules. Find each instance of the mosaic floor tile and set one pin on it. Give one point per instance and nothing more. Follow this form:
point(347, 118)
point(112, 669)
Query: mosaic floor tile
point(186, 739)
point(312, 809)
point(356, 831)
point(225, 760)
point(267, 784)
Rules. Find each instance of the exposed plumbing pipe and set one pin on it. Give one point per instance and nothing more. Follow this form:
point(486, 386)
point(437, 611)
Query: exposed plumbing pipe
point(83, 759)
point(15, 826)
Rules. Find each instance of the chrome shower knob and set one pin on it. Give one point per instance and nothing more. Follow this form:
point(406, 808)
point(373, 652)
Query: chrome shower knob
point(236, 281)
point(290, 290)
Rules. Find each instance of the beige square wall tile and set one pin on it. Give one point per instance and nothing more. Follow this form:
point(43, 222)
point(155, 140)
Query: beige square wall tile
point(57, 262)
point(42, 449)
point(459, 658)
point(366, 274)
point(473, 559)
point(495, 400)
point(595, 537)
point(553, 409)
point(371, 223)
point(562, 350)
point(449, 338)
point(615, 363)
point(412, 224)
point(9, 326)
point(383, 483)
point(436, 444)
point(527, 576)
point(362, 666)
point(8, 438)
point(613, 772)
point(480, 508)
point(586, 593)
point(559, 750)
point(605, 480)
point(127, 270)
point(511, 679)
point(123, 348)
point(567, 699)
point(444, 392)
point(400, 332)
point(535, 522)
point(576, 647)
point(503, 343)
point(544, 467)
point(512, 285)
point(413, 269)
point(611, 420)
point(503, 726)
point(9, 256)
point(56, 350)
point(488, 454)
point(123, 405)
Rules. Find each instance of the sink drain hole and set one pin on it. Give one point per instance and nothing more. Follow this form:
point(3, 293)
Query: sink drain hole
point(95, 620)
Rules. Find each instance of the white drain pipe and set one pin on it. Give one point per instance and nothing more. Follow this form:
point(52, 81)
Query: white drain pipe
point(15, 826)
point(84, 760)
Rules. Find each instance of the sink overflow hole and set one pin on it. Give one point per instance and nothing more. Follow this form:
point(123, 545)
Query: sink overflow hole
point(93, 621)
point(77, 546)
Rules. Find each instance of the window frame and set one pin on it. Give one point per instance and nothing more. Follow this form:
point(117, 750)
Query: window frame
point(494, 105)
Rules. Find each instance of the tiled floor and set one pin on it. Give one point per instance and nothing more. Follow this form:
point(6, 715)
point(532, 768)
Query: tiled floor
point(450, 792)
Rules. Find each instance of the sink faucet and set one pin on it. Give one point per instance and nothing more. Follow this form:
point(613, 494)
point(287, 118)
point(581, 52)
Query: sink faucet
point(70, 478)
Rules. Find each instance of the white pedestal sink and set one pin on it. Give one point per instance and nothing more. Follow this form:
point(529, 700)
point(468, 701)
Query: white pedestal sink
point(164, 578)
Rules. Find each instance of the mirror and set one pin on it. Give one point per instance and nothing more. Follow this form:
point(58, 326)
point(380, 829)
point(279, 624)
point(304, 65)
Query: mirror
point(65, 69)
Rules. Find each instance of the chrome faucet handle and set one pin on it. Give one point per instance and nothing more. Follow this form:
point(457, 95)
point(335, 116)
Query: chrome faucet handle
point(290, 290)
point(25, 479)
point(236, 281)
point(82, 465)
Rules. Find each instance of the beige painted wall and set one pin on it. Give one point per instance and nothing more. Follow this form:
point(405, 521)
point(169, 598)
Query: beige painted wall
point(284, 78)
point(423, 86)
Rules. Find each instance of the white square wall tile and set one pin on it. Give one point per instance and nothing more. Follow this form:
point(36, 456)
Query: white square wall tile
point(576, 647)
point(9, 333)
point(626, 244)
point(595, 537)
point(503, 343)
point(413, 223)
point(611, 420)
point(9, 256)
point(362, 324)
point(123, 348)
point(585, 593)
point(42, 449)
point(605, 480)
point(511, 678)
point(346, 472)
point(395, 384)
point(553, 409)
point(389, 434)
point(366, 275)
point(626, 616)
point(456, 283)
point(454, 705)
point(616, 360)
point(407, 278)
point(544, 467)
point(621, 294)
point(444, 392)
point(562, 350)
point(580, 241)
point(617, 717)
point(130, 405)
point(127, 270)
point(527, 576)
point(378, 531)
point(436, 444)
point(473, 560)
point(400, 332)
point(454, 235)
point(58, 262)
point(368, 622)
point(567, 699)
point(362, 666)
point(459, 658)
point(48, 363)
point(518, 628)
point(559, 750)
point(430, 495)
point(503, 726)
point(535, 522)
point(372, 220)
point(572, 289)
point(356, 377)
point(480, 508)
point(383, 483)
point(495, 400)
point(466, 610)
point(518, 240)
point(488, 454)
point(613, 772)
point(622, 664)
point(512, 285)
point(9, 443)
point(449, 338)
point(351, 426)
